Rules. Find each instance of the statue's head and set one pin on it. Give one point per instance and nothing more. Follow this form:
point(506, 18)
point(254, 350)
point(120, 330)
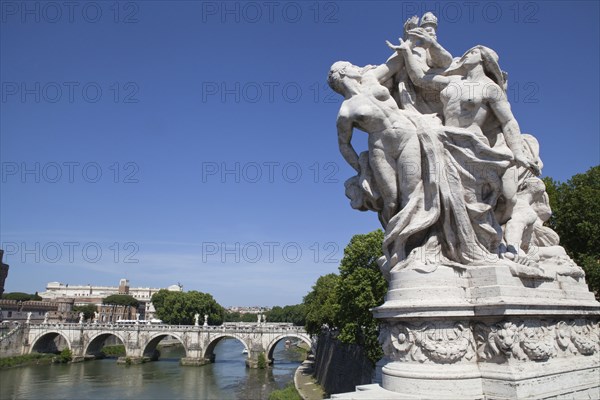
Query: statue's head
point(487, 58)
point(429, 23)
point(336, 75)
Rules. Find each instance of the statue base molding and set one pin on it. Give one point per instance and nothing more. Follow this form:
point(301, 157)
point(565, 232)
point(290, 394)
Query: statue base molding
point(483, 333)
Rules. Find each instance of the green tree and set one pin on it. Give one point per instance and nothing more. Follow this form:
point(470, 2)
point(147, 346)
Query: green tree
point(236, 316)
point(64, 357)
point(232, 316)
point(276, 314)
point(344, 301)
point(20, 296)
point(87, 310)
point(295, 314)
point(121, 300)
point(361, 287)
point(181, 307)
point(321, 304)
point(576, 218)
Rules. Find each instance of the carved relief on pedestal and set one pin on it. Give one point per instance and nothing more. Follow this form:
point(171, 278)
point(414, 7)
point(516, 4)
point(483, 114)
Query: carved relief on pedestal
point(535, 340)
point(538, 341)
point(521, 340)
point(583, 339)
point(438, 342)
point(498, 339)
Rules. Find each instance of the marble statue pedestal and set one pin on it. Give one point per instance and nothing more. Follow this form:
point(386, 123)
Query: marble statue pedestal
point(482, 333)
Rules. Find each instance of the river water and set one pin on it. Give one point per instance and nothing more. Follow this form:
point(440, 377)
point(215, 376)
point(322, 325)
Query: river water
point(165, 379)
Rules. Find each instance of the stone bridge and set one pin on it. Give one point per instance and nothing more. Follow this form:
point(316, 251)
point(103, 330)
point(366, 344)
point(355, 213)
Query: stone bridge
point(140, 341)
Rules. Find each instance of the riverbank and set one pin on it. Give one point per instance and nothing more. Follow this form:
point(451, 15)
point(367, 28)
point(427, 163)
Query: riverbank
point(306, 384)
point(26, 360)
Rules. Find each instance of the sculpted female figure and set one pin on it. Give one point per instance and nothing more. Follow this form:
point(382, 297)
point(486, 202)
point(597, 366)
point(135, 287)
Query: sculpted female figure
point(394, 153)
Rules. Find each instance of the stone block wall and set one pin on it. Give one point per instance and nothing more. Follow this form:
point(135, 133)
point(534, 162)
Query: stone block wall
point(340, 367)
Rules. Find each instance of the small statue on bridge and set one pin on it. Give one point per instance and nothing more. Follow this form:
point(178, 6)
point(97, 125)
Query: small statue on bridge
point(81, 316)
point(205, 319)
point(46, 315)
point(196, 318)
point(258, 317)
point(28, 318)
point(96, 315)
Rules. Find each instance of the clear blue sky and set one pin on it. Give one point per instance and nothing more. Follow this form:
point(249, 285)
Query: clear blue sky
point(214, 133)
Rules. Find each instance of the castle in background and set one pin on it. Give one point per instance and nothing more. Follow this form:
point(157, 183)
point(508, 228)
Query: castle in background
point(59, 299)
point(90, 294)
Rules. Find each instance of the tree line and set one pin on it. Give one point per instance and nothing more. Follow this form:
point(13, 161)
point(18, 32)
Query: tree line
point(575, 217)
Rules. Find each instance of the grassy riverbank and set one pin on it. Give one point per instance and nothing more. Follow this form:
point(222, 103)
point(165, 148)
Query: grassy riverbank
point(63, 357)
point(287, 393)
point(114, 351)
point(27, 359)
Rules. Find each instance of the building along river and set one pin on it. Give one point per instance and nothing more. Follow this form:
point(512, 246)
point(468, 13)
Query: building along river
point(226, 378)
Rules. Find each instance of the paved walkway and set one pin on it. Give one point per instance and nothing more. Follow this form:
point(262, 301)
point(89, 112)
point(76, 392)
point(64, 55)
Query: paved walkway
point(306, 385)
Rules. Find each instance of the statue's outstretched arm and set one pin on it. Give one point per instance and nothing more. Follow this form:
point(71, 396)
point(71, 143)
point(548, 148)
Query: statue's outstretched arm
point(510, 128)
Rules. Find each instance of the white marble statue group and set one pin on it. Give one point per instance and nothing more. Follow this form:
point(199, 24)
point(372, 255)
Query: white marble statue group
point(449, 172)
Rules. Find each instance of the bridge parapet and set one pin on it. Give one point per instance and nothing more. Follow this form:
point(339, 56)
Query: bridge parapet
point(166, 327)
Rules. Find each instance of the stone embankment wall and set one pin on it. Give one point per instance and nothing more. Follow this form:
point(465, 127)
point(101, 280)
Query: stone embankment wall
point(340, 367)
point(11, 342)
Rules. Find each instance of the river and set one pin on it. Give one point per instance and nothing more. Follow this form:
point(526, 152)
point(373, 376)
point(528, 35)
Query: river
point(226, 378)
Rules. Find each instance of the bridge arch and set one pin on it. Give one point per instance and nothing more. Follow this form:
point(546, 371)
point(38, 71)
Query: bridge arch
point(49, 342)
point(209, 352)
point(273, 343)
point(149, 349)
point(96, 343)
